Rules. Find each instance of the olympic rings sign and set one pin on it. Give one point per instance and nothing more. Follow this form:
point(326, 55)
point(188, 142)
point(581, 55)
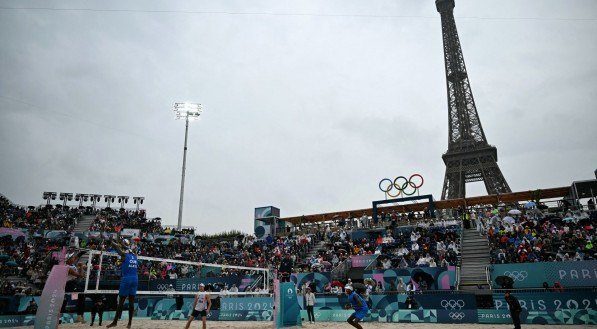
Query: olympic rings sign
point(402, 185)
point(517, 276)
point(452, 304)
point(456, 315)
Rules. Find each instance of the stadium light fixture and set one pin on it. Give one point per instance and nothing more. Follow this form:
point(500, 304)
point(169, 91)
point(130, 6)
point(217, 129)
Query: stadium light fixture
point(188, 112)
point(109, 199)
point(95, 198)
point(81, 197)
point(49, 196)
point(65, 197)
point(138, 200)
point(123, 199)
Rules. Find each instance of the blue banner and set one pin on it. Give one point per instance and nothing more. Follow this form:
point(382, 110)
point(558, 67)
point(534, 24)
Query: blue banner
point(319, 279)
point(532, 275)
point(563, 316)
point(192, 284)
point(550, 301)
point(538, 308)
point(246, 303)
point(288, 312)
point(449, 302)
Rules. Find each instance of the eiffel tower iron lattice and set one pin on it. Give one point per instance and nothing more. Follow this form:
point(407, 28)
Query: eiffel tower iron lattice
point(469, 157)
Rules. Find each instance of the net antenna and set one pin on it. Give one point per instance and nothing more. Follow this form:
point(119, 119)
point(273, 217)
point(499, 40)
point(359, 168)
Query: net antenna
point(93, 277)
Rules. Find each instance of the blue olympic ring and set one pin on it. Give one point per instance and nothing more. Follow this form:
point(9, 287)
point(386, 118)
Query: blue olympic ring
point(402, 186)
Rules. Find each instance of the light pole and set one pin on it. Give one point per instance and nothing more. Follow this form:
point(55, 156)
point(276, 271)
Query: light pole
point(188, 112)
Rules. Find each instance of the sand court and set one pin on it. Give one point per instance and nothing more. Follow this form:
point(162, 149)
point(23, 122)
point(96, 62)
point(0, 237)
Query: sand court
point(174, 324)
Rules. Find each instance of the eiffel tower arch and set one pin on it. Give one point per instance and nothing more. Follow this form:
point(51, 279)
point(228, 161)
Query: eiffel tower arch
point(469, 157)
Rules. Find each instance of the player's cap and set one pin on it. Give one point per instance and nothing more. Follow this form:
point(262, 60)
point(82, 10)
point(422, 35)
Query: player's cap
point(201, 285)
point(348, 287)
point(126, 242)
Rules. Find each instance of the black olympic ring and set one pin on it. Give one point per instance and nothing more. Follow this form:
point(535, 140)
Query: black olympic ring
point(457, 315)
point(452, 304)
point(401, 186)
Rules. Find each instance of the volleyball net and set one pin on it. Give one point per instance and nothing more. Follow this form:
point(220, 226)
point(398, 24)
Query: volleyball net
point(160, 276)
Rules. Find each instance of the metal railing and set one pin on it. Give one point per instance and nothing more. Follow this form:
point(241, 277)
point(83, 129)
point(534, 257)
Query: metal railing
point(255, 283)
point(488, 277)
point(339, 272)
point(372, 265)
point(457, 277)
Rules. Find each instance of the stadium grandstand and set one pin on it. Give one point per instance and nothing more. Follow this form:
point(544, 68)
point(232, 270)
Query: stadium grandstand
point(405, 258)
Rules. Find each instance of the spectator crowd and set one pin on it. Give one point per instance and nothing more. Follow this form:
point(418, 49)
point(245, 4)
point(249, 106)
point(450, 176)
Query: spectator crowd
point(34, 238)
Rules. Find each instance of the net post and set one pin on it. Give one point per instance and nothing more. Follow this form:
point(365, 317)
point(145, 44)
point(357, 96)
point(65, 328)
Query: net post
point(97, 280)
point(88, 271)
point(276, 301)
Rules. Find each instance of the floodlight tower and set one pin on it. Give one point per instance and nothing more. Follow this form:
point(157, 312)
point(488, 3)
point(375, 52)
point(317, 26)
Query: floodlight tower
point(188, 112)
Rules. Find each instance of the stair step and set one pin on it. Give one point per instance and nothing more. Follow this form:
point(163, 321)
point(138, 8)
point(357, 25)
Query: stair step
point(473, 278)
point(473, 243)
point(474, 254)
point(476, 243)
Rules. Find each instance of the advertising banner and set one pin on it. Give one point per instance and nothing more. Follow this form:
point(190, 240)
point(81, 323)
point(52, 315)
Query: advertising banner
point(550, 301)
point(321, 279)
point(564, 316)
point(448, 302)
point(266, 212)
point(192, 284)
point(532, 275)
point(52, 296)
point(130, 232)
point(362, 260)
point(288, 314)
point(246, 303)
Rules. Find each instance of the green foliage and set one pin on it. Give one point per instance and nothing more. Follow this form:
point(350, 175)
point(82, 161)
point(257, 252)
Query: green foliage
point(228, 235)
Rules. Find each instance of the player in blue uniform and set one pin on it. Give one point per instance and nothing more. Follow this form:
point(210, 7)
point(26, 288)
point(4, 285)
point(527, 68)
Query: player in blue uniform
point(358, 304)
point(129, 281)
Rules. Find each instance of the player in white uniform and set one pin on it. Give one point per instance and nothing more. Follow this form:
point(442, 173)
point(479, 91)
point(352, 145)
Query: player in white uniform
point(201, 307)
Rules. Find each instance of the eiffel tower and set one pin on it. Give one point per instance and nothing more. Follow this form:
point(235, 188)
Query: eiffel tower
point(469, 157)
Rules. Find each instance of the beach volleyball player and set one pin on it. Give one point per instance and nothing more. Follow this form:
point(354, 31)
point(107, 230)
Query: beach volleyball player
point(358, 304)
point(201, 307)
point(129, 280)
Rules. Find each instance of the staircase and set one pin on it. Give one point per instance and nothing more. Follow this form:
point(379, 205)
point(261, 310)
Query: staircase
point(314, 250)
point(84, 223)
point(474, 260)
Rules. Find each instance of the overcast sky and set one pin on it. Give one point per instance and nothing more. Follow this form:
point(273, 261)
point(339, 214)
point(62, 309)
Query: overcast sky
point(308, 104)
